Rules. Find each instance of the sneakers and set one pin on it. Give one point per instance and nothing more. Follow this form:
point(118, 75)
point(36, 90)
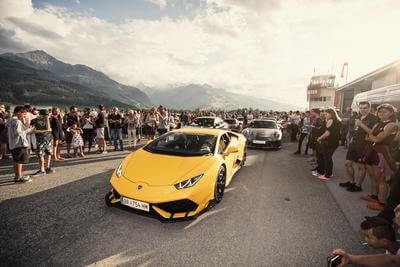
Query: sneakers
point(323, 177)
point(371, 198)
point(376, 206)
point(354, 188)
point(49, 171)
point(315, 173)
point(38, 173)
point(346, 184)
point(23, 179)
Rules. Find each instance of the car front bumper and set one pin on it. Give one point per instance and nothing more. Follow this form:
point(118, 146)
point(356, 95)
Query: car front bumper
point(165, 201)
point(264, 143)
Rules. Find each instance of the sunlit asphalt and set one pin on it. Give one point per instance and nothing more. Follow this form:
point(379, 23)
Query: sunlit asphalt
point(273, 214)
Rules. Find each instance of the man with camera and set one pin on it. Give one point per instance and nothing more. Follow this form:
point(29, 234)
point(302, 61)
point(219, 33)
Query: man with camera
point(376, 260)
point(44, 142)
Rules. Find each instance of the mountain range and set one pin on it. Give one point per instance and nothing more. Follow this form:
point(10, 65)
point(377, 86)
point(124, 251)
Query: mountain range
point(203, 97)
point(39, 78)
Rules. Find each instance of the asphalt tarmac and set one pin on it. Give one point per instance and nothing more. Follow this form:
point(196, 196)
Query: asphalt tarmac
point(274, 213)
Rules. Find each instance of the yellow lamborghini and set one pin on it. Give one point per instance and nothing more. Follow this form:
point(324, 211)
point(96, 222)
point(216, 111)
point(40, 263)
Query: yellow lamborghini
point(179, 174)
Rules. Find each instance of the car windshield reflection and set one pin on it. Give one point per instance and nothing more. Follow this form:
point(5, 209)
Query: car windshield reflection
point(203, 122)
point(183, 144)
point(263, 125)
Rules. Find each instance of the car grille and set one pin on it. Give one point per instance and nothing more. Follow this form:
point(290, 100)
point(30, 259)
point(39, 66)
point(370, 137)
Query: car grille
point(184, 205)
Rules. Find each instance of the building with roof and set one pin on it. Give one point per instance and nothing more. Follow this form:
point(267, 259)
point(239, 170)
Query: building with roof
point(321, 92)
point(380, 82)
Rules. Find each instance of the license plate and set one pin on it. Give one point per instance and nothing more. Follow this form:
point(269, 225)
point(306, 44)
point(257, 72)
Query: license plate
point(258, 142)
point(139, 205)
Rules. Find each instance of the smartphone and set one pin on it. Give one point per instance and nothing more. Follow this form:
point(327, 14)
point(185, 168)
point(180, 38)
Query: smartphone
point(334, 261)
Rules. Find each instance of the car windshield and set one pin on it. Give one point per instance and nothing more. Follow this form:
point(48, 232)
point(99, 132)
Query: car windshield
point(230, 121)
point(203, 122)
point(183, 144)
point(263, 124)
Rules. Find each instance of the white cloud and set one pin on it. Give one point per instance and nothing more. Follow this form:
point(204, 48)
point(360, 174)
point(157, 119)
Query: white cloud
point(267, 48)
point(161, 3)
point(77, 2)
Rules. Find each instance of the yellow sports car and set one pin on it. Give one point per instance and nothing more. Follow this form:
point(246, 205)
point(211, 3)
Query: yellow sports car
point(179, 174)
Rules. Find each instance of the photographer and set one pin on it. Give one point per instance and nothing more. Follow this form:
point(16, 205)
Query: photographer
point(377, 260)
point(44, 142)
point(115, 122)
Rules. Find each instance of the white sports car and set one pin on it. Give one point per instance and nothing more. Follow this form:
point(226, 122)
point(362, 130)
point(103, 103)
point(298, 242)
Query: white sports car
point(263, 133)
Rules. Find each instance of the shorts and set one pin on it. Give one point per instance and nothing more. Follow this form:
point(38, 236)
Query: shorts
point(3, 136)
point(68, 137)
point(44, 147)
point(100, 133)
point(149, 130)
point(58, 135)
point(20, 155)
point(354, 155)
point(372, 159)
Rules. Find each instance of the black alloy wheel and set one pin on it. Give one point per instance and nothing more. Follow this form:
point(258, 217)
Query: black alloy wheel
point(220, 185)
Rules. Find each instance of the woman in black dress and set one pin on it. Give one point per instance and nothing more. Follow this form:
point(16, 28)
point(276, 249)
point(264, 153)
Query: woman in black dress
point(57, 132)
point(329, 141)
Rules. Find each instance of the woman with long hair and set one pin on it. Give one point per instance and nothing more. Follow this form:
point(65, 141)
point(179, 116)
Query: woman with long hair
point(57, 132)
point(328, 142)
point(151, 122)
point(132, 121)
point(377, 155)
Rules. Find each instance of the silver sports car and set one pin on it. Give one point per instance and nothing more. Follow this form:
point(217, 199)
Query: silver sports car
point(263, 134)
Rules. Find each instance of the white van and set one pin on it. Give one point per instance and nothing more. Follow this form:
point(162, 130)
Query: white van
point(389, 94)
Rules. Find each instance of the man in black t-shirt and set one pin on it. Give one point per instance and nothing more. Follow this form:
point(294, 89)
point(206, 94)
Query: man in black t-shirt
point(356, 148)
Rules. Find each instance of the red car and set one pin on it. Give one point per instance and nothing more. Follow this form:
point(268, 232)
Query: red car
point(234, 125)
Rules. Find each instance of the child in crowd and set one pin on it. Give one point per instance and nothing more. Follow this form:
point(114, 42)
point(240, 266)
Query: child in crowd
point(77, 141)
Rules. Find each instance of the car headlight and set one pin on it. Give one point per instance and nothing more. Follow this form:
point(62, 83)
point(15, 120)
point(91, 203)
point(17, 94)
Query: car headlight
point(118, 172)
point(276, 136)
point(188, 183)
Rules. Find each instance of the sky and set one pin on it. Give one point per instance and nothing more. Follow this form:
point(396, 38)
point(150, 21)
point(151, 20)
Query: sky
point(263, 48)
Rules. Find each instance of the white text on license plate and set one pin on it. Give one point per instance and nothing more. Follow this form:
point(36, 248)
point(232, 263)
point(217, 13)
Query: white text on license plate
point(258, 142)
point(135, 204)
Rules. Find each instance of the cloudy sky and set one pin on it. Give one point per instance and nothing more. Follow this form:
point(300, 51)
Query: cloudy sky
point(266, 48)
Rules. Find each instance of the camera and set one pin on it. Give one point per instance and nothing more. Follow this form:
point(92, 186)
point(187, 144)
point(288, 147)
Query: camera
point(43, 112)
point(334, 261)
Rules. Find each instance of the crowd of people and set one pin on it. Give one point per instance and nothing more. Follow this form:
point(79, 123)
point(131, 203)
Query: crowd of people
point(371, 137)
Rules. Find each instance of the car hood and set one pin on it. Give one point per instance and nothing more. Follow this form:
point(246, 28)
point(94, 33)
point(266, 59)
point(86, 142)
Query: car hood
point(160, 170)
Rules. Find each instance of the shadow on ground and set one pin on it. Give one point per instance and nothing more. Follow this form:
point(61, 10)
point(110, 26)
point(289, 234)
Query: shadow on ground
point(71, 220)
